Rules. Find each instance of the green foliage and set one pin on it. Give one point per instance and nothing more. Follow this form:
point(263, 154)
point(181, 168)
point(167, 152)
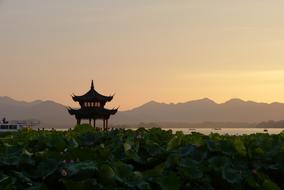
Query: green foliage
point(84, 158)
point(84, 128)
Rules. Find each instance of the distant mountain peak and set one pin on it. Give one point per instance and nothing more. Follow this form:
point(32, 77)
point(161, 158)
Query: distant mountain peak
point(152, 102)
point(9, 100)
point(49, 113)
point(207, 100)
point(235, 101)
point(202, 101)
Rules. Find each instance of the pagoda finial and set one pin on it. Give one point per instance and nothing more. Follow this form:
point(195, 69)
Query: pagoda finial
point(92, 85)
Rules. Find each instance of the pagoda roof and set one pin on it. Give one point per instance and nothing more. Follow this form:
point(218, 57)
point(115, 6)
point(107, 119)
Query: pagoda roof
point(92, 112)
point(92, 95)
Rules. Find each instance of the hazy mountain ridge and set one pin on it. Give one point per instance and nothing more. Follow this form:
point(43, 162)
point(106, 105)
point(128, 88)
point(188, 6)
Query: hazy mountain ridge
point(204, 110)
point(52, 114)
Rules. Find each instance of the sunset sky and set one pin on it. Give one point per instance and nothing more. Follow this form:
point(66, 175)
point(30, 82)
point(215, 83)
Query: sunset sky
point(163, 50)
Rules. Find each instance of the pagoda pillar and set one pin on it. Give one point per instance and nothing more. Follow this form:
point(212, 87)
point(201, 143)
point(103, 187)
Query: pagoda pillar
point(78, 121)
point(94, 122)
point(104, 125)
point(90, 122)
point(107, 125)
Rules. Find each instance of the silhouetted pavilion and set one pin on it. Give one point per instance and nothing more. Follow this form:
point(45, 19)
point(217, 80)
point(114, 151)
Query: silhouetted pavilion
point(92, 107)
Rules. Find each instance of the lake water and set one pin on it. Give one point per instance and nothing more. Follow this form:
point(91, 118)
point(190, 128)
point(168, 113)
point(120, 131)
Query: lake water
point(230, 131)
point(222, 131)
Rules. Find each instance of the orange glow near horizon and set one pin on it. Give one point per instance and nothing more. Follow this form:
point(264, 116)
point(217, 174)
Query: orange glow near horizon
point(163, 50)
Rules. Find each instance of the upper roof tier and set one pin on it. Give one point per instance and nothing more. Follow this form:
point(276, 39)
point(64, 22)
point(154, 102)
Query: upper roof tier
point(92, 96)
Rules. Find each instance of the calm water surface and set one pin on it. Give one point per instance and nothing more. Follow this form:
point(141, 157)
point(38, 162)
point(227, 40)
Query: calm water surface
point(230, 131)
point(222, 131)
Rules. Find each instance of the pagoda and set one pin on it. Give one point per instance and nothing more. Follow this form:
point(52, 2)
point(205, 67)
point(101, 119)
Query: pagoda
point(92, 107)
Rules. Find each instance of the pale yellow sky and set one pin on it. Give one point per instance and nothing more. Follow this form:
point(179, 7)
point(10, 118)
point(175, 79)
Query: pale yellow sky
point(163, 50)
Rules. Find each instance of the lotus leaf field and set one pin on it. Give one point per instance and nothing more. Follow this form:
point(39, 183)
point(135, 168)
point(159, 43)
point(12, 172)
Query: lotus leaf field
point(143, 160)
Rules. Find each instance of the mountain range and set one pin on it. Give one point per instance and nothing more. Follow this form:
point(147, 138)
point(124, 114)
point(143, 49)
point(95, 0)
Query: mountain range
point(49, 113)
point(52, 114)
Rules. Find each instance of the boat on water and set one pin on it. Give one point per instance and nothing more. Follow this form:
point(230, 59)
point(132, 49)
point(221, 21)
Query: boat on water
point(6, 127)
point(12, 126)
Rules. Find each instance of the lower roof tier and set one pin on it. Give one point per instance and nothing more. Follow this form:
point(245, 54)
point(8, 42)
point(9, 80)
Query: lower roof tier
point(94, 113)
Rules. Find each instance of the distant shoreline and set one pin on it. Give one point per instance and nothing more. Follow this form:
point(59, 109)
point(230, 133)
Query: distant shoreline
point(172, 125)
point(205, 131)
